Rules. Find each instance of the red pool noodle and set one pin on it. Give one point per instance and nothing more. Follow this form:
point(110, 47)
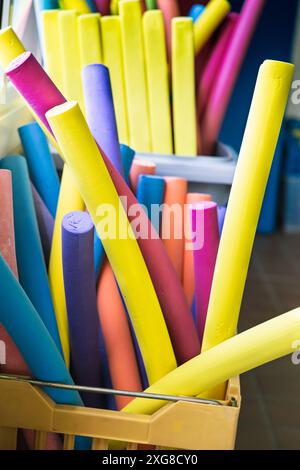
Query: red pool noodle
point(215, 60)
point(171, 297)
point(117, 337)
point(102, 6)
point(228, 74)
point(169, 10)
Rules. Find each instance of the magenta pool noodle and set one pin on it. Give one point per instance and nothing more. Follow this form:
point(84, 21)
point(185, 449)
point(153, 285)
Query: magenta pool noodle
point(30, 259)
point(228, 73)
point(34, 85)
point(165, 280)
point(45, 223)
point(102, 6)
point(215, 60)
point(41, 166)
point(80, 291)
point(205, 224)
point(100, 111)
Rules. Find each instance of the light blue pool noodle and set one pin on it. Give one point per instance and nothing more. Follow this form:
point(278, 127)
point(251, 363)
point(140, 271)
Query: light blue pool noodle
point(92, 6)
point(151, 190)
point(196, 11)
point(30, 258)
point(41, 166)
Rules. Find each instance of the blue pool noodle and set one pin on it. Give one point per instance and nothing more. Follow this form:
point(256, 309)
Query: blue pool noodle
point(195, 11)
point(40, 164)
point(127, 156)
point(30, 258)
point(150, 191)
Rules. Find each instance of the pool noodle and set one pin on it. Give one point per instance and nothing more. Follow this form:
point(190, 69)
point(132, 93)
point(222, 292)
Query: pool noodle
point(80, 6)
point(7, 231)
point(248, 350)
point(158, 83)
point(89, 37)
point(102, 6)
point(45, 223)
point(135, 75)
point(214, 62)
point(183, 88)
point(169, 10)
point(221, 217)
point(30, 259)
point(78, 270)
point(10, 46)
point(195, 11)
point(113, 59)
point(94, 183)
point(52, 46)
point(140, 167)
point(32, 338)
point(117, 337)
point(40, 164)
point(151, 191)
point(91, 5)
point(127, 157)
point(100, 113)
point(151, 4)
point(176, 312)
point(175, 193)
point(251, 176)
point(14, 363)
point(205, 226)
point(39, 6)
point(69, 200)
point(70, 56)
point(227, 76)
point(188, 279)
point(207, 23)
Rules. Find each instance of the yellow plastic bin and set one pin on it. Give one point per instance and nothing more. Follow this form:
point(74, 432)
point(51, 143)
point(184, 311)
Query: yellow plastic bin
point(178, 425)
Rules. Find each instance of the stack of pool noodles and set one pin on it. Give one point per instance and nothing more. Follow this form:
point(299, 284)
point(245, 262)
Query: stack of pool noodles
point(126, 321)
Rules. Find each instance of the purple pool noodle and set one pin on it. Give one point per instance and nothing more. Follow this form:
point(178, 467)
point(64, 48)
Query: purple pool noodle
point(221, 217)
point(102, 6)
point(45, 223)
point(100, 111)
point(79, 282)
point(206, 243)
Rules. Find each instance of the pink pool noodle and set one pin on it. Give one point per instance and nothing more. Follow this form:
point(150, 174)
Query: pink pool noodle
point(205, 225)
point(170, 294)
point(228, 74)
point(169, 10)
point(102, 6)
point(214, 63)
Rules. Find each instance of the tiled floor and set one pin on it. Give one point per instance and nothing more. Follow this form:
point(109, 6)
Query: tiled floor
point(270, 415)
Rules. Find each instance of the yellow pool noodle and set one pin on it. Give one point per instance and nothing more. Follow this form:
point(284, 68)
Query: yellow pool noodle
point(95, 185)
point(80, 6)
point(183, 87)
point(71, 70)
point(52, 46)
point(89, 35)
point(135, 75)
point(158, 82)
point(246, 196)
point(69, 200)
point(113, 59)
point(214, 13)
point(10, 48)
point(114, 7)
point(252, 348)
